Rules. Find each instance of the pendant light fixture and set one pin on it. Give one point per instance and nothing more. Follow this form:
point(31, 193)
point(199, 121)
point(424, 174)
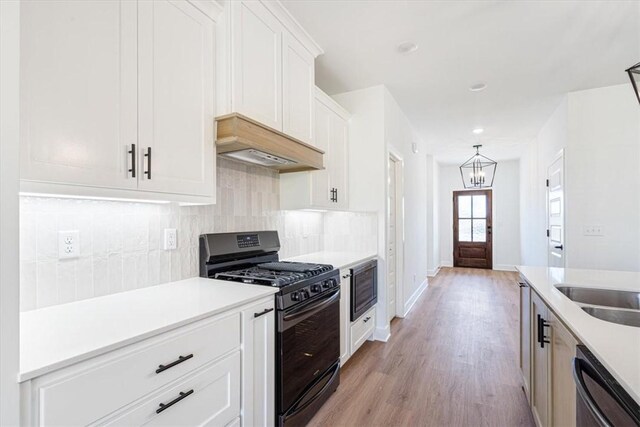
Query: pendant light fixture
point(634, 75)
point(478, 171)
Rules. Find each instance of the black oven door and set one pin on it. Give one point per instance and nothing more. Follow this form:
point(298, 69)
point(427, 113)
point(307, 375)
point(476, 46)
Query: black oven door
point(309, 344)
point(601, 401)
point(364, 288)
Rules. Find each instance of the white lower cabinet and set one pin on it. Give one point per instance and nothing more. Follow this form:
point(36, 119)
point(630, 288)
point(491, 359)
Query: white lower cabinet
point(210, 397)
point(210, 372)
point(362, 329)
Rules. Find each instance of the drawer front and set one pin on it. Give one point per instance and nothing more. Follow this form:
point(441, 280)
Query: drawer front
point(114, 382)
point(211, 397)
point(362, 329)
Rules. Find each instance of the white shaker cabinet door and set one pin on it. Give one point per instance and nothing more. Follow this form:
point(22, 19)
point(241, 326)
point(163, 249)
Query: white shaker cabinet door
point(320, 195)
point(298, 95)
point(78, 92)
point(338, 161)
point(176, 84)
point(257, 63)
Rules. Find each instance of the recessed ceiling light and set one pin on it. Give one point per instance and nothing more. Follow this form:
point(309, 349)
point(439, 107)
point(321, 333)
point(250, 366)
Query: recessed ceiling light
point(478, 131)
point(407, 47)
point(478, 87)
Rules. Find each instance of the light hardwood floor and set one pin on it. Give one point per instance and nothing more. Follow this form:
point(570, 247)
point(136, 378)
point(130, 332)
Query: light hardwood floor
point(453, 361)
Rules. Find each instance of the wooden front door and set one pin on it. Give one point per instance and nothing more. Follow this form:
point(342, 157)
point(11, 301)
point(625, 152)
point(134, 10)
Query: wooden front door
point(472, 237)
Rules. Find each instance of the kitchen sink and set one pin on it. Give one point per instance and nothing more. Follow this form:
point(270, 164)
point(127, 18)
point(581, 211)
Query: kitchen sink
point(622, 317)
point(605, 297)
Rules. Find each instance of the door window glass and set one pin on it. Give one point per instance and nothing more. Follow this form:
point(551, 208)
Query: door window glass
point(472, 218)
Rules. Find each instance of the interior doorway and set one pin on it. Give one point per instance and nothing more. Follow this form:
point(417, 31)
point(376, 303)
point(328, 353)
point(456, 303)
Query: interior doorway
point(472, 229)
point(395, 239)
point(555, 212)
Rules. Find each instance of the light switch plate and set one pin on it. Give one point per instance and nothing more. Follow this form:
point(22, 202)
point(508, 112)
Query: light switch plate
point(170, 239)
point(593, 230)
point(68, 244)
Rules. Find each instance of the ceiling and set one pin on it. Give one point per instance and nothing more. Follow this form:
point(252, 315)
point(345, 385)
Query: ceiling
point(528, 53)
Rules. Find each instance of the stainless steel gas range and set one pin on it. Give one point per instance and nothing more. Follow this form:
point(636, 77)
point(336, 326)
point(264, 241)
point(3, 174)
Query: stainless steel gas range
point(307, 319)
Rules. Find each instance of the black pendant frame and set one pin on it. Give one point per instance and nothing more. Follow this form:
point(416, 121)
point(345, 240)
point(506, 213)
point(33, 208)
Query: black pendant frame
point(478, 163)
point(631, 71)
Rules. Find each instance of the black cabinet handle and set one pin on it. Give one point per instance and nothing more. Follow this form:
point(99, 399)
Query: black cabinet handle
point(262, 313)
point(148, 156)
point(522, 285)
point(336, 195)
point(133, 160)
point(367, 319)
point(181, 359)
point(561, 247)
point(542, 339)
point(346, 276)
point(164, 406)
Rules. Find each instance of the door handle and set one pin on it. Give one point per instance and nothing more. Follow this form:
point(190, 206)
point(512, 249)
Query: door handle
point(561, 247)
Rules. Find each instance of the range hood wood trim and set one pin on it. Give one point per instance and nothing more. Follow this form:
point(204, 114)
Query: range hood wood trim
point(236, 132)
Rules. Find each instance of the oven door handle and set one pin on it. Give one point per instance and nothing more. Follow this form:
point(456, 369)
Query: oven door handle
point(578, 367)
point(311, 308)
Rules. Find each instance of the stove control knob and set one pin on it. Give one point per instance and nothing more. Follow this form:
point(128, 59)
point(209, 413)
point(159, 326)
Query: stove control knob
point(304, 294)
point(295, 296)
point(326, 285)
point(333, 282)
point(315, 288)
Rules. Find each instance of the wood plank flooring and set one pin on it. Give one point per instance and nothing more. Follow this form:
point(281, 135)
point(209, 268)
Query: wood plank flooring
point(453, 361)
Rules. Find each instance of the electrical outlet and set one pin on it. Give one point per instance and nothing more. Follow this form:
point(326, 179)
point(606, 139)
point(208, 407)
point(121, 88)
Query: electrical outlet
point(68, 244)
point(593, 230)
point(170, 239)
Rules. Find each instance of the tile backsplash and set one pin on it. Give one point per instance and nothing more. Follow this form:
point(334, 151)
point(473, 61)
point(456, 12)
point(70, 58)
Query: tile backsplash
point(121, 243)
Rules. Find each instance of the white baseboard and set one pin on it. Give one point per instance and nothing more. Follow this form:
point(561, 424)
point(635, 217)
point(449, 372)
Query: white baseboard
point(434, 272)
point(504, 267)
point(382, 334)
point(446, 264)
point(412, 300)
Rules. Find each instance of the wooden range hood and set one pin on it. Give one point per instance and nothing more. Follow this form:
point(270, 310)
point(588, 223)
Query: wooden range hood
point(244, 139)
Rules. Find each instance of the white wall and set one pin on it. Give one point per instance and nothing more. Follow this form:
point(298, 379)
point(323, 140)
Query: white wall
point(378, 125)
point(599, 130)
point(535, 160)
point(399, 136)
point(9, 145)
point(506, 213)
point(602, 164)
point(433, 217)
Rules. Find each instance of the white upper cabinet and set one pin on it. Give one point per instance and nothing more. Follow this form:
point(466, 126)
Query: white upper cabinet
point(78, 92)
point(257, 63)
point(298, 77)
point(269, 68)
point(175, 74)
point(100, 77)
point(326, 188)
point(338, 160)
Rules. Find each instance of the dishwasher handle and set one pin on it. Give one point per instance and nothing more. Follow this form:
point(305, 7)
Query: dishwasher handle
point(583, 393)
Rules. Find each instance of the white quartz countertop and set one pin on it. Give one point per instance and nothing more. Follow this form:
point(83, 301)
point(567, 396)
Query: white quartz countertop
point(54, 337)
point(337, 259)
point(616, 346)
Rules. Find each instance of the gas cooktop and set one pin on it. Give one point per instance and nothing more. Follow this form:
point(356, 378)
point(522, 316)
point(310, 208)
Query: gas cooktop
point(278, 274)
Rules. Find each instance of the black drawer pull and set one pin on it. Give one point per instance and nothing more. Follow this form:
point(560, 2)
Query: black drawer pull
point(262, 313)
point(174, 363)
point(164, 406)
point(367, 319)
